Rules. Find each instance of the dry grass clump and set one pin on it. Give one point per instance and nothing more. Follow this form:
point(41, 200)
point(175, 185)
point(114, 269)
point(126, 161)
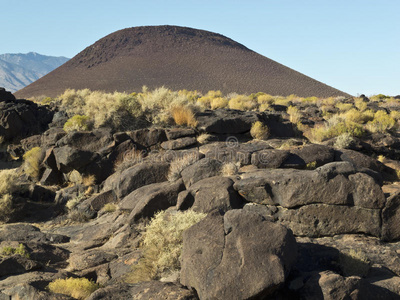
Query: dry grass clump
point(77, 122)
point(89, 180)
point(183, 115)
point(259, 131)
point(162, 244)
point(32, 161)
point(129, 159)
point(178, 164)
point(204, 138)
point(78, 288)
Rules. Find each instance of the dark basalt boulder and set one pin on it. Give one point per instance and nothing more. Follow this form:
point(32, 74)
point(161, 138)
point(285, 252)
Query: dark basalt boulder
point(5, 95)
point(22, 118)
point(236, 256)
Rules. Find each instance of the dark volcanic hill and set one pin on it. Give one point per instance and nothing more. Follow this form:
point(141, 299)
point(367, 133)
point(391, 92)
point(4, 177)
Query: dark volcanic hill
point(178, 58)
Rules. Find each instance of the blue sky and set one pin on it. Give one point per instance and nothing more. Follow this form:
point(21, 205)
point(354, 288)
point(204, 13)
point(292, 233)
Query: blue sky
point(352, 45)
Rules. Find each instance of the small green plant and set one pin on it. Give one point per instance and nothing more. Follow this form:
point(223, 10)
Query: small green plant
point(259, 131)
point(78, 288)
point(162, 244)
point(77, 122)
point(20, 250)
point(32, 160)
point(311, 165)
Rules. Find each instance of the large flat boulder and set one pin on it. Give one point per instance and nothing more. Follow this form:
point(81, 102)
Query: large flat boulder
point(135, 177)
point(329, 184)
point(236, 256)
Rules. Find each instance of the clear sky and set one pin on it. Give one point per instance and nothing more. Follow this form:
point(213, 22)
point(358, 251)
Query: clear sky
point(352, 45)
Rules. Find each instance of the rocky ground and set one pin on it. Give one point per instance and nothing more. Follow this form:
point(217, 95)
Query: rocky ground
point(286, 219)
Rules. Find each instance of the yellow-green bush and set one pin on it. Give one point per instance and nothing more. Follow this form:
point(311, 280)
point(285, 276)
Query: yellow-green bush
point(382, 122)
point(219, 102)
point(78, 288)
point(8, 186)
point(326, 131)
point(20, 250)
point(294, 114)
point(265, 99)
point(343, 107)
point(259, 131)
point(32, 161)
point(77, 122)
point(162, 244)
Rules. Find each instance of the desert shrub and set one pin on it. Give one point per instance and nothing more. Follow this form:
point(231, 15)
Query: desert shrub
point(259, 131)
point(334, 129)
point(78, 288)
point(294, 114)
point(162, 244)
point(343, 107)
point(242, 102)
point(395, 114)
point(183, 115)
point(1, 139)
point(8, 180)
point(77, 122)
point(382, 122)
point(354, 263)
point(78, 216)
point(344, 141)
point(20, 250)
point(32, 161)
point(378, 97)
point(283, 101)
point(360, 104)
point(229, 168)
point(6, 207)
point(219, 102)
point(357, 116)
point(117, 110)
point(178, 164)
point(309, 100)
point(265, 99)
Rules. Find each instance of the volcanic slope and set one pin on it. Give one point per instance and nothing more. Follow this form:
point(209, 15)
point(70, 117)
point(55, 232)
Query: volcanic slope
point(177, 58)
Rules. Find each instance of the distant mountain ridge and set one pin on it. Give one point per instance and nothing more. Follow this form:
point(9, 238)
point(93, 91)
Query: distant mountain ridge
point(177, 58)
point(18, 70)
